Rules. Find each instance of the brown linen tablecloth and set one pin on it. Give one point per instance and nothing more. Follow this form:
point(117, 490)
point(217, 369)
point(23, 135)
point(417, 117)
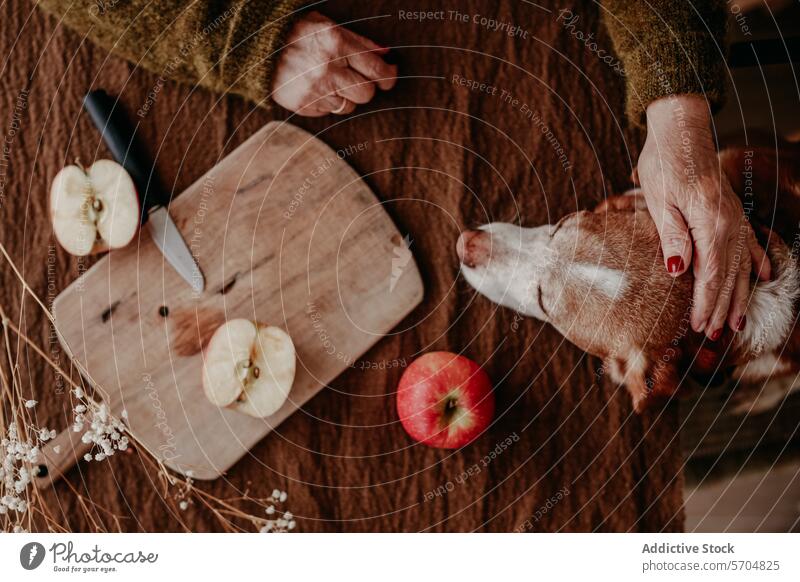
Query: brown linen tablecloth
point(444, 154)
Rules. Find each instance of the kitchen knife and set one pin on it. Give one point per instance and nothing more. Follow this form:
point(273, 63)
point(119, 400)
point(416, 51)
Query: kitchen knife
point(107, 115)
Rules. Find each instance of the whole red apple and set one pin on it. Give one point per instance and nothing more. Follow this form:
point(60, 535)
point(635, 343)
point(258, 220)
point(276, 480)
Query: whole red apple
point(445, 400)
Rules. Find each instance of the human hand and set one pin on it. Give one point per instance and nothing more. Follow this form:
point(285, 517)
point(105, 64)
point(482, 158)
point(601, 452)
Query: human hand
point(325, 68)
point(700, 220)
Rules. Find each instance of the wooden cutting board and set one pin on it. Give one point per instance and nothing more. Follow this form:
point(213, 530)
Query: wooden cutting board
point(285, 233)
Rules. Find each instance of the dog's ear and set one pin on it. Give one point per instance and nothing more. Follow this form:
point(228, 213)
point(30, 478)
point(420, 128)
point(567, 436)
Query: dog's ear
point(631, 201)
point(648, 380)
point(658, 384)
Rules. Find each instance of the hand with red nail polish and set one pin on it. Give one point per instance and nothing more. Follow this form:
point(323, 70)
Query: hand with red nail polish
point(700, 220)
point(675, 265)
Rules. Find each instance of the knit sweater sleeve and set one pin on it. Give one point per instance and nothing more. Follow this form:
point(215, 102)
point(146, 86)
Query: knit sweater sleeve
point(668, 47)
point(226, 46)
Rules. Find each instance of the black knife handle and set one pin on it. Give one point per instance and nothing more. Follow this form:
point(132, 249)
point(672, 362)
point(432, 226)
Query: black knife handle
point(120, 137)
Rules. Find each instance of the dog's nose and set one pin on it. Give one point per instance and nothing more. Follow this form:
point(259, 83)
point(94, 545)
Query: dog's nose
point(472, 247)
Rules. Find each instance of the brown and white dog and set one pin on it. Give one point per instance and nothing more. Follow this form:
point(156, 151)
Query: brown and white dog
point(599, 279)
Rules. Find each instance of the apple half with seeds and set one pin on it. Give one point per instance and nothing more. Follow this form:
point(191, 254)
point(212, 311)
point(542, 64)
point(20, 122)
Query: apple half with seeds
point(94, 209)
point(249, 367)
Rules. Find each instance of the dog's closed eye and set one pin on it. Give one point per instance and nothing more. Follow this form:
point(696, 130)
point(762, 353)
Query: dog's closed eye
point(539, 298)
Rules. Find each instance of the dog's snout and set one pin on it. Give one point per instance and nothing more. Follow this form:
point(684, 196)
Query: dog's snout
point(473, 247)
point(463, 242)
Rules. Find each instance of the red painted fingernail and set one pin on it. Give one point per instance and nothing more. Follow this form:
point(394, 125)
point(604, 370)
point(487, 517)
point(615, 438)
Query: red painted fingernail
point(675, 264)
point(740, 323)
point(715, 335)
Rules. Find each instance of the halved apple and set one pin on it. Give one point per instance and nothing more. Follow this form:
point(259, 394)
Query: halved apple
point(249, 367)
point(94, 209)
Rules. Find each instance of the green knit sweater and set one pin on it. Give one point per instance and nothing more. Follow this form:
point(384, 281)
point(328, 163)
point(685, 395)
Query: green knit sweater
point(666, 46)
point(227, 46)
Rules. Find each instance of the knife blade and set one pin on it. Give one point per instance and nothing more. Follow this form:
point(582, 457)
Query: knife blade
point(169, 240)
point(107, 115)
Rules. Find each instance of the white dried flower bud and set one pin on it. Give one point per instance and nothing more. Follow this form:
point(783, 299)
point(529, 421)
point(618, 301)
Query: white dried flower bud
point(31, 403)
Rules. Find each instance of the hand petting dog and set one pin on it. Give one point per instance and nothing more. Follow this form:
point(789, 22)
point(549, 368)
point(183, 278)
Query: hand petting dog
point(700, 221)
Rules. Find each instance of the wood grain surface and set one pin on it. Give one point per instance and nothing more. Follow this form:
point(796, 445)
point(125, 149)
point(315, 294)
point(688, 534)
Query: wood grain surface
point(441, 158)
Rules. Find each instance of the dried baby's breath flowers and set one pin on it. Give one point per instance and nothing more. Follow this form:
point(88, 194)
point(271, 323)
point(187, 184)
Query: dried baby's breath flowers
point(184, 492)
point(285, 520)
point(105, 432)
point(15, 473)
point(21, 450)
